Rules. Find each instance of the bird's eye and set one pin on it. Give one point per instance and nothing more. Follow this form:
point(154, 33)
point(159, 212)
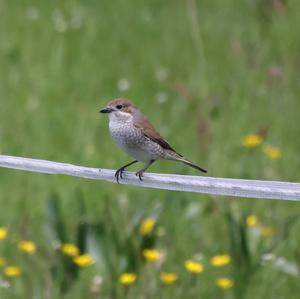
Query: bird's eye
point(119, 106)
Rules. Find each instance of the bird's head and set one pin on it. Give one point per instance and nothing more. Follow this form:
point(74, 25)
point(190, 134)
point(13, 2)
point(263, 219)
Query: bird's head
point(120, 110)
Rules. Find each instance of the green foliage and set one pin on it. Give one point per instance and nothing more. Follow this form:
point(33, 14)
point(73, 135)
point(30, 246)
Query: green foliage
point(207, 74)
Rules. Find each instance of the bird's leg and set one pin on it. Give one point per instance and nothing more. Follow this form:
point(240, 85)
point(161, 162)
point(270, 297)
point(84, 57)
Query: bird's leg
point(119, 172)
point(141, 172)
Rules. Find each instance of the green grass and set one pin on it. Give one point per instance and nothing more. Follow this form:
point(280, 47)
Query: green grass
point(60, 62)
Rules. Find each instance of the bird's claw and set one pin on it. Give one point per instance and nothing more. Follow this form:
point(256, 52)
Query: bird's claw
point(119, 174)
point(140, 174)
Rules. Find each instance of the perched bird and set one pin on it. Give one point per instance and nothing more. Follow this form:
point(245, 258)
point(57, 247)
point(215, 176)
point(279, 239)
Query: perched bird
point(138, 138)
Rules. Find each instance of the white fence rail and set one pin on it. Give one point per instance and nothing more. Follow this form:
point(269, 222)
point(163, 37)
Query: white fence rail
point(200, 184)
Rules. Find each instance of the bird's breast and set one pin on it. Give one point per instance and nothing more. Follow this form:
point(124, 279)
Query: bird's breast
point(133, 141)
point(126, 135)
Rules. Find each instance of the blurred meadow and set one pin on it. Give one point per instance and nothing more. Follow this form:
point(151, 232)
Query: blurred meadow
point(219, 79)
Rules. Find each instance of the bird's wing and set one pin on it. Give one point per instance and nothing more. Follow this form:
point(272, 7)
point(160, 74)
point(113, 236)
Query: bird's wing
point(150, 132)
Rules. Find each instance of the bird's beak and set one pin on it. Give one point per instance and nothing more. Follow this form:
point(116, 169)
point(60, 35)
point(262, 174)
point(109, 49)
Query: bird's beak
point(106, 110)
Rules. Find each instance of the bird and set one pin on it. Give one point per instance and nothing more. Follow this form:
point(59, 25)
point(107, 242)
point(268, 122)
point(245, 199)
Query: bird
point(135, 135)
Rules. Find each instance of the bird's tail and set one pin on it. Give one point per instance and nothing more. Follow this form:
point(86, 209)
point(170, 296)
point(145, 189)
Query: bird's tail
point(180, 158)
point(187, 162)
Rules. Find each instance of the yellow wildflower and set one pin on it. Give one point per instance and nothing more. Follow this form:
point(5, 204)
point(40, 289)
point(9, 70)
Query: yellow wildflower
point(70, 249)
point(151, 255)
point(252, 140)
point(251, 220)
point(2, 261)
point(127, 278)
point(12, 271)
point(147, 226)
point(224, 283)
point(193, 267)
point(272, 152)
point(84, 260)
point(267, 231)
point(27, 246)
point(3, 233)
point(220, 260)
point(168, 277)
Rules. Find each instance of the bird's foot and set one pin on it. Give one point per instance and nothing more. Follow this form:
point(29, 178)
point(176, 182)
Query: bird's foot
point(140, 174)
point(119, 174)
